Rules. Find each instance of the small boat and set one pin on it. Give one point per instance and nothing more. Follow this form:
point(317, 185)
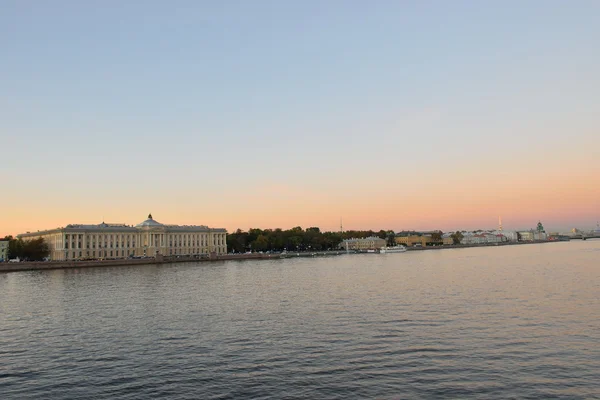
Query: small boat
point(395, 249)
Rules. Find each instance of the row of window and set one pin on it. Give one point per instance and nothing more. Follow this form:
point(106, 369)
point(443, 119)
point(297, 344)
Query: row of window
point(117, 253)
point(185, 241)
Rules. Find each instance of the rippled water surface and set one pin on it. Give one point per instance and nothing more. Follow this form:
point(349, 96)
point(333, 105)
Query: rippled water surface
point(510, 322)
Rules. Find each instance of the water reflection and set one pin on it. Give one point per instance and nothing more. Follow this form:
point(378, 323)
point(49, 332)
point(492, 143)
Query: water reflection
point(491, 322)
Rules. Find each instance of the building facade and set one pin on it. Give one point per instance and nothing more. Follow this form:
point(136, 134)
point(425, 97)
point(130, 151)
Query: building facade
point(368, 243)
point(483, 238)
point(3, 250)
point(149, 238)
point(414, 240)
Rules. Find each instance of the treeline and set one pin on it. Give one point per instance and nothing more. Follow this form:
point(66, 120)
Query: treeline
point(27, 250)
point(296, 239)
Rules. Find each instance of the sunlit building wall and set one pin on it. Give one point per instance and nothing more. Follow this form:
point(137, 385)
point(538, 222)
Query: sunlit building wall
point(149, 238)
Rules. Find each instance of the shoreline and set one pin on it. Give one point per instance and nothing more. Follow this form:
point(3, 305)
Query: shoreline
point(49, 265)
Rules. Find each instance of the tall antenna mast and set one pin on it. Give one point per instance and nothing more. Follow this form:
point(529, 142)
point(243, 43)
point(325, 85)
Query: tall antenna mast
point(500, 224)
point(341, 226)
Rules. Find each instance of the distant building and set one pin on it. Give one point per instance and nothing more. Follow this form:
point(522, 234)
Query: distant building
point(483, 238)
point(148, 238)
point(531, 235)
point(526, 236)
point(412, 240)
point(3, 250)
point(510, 236)
point(368, 243)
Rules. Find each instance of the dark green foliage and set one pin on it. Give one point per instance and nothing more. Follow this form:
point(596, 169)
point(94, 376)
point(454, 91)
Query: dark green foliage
point(436, 237)
point(295, 239)
point(32, 250)
point(391, 238)
point(457, 237)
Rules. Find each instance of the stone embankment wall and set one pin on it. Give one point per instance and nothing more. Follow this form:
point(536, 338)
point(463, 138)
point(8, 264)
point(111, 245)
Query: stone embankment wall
point(32, 266)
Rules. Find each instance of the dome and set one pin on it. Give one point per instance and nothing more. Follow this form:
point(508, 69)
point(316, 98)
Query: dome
point(149, 222)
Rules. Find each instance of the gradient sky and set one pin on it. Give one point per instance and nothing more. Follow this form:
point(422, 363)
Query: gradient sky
point(392, 114)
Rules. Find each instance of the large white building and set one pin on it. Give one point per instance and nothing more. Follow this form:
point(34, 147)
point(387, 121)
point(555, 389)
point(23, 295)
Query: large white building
point(148, 238)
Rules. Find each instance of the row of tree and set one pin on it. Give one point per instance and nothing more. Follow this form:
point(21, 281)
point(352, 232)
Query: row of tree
point(27, 250)
point(312, 239)
point(296, 239)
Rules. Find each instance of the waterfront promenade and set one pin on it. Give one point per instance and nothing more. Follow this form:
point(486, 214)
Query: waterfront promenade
point(47, 265)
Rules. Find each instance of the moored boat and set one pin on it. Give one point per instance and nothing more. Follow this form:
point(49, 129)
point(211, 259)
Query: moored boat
point(395, 249)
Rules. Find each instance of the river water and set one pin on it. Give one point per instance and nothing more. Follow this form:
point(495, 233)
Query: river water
point(509, 322)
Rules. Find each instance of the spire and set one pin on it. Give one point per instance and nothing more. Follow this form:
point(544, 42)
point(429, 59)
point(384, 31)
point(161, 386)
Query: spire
point(500, 224)
point(540, 227)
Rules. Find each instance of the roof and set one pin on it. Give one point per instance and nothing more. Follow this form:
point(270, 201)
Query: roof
point(149, 222)
point(104, 227)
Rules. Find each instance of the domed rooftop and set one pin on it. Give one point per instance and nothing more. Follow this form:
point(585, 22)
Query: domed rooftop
point(149, 222)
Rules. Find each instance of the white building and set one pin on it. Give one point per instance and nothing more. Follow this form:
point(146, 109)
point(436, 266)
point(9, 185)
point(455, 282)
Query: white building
point(3, 250)
point(148, 238)
point(531, 235)
point(368, 243)
point(483, 238)
point(511, 236)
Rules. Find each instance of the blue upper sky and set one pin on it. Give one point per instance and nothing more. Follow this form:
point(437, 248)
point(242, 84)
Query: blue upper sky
point(214, 93)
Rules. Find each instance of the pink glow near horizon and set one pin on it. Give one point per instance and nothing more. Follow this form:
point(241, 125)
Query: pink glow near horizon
point(559, 203)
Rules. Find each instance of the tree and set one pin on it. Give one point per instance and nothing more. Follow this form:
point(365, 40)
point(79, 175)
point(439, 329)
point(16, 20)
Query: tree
point(295, 239)
point(36, 249)
point(261, 243)
point(391, 238)
point(236, 242)
point(436, 237)
point(457, 237)
point(33, 250)
point(15, 248)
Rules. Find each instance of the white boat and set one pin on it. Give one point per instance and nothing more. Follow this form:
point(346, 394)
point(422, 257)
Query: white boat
point(395, 249)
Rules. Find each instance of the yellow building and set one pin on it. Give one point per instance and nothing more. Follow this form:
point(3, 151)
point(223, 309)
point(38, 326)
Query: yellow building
point(413, 240)
point(148, 238)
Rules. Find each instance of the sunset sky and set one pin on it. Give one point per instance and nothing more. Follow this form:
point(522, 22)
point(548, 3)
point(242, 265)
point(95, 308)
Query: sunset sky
point(238, 114)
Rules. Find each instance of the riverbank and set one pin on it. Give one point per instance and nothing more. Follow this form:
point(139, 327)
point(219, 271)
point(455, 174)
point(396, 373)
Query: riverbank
point(42, 265)
point(468, 246)
point(47, 265)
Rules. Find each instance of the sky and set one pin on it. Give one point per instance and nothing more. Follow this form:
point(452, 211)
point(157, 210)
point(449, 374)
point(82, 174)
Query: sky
point(237, 114)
